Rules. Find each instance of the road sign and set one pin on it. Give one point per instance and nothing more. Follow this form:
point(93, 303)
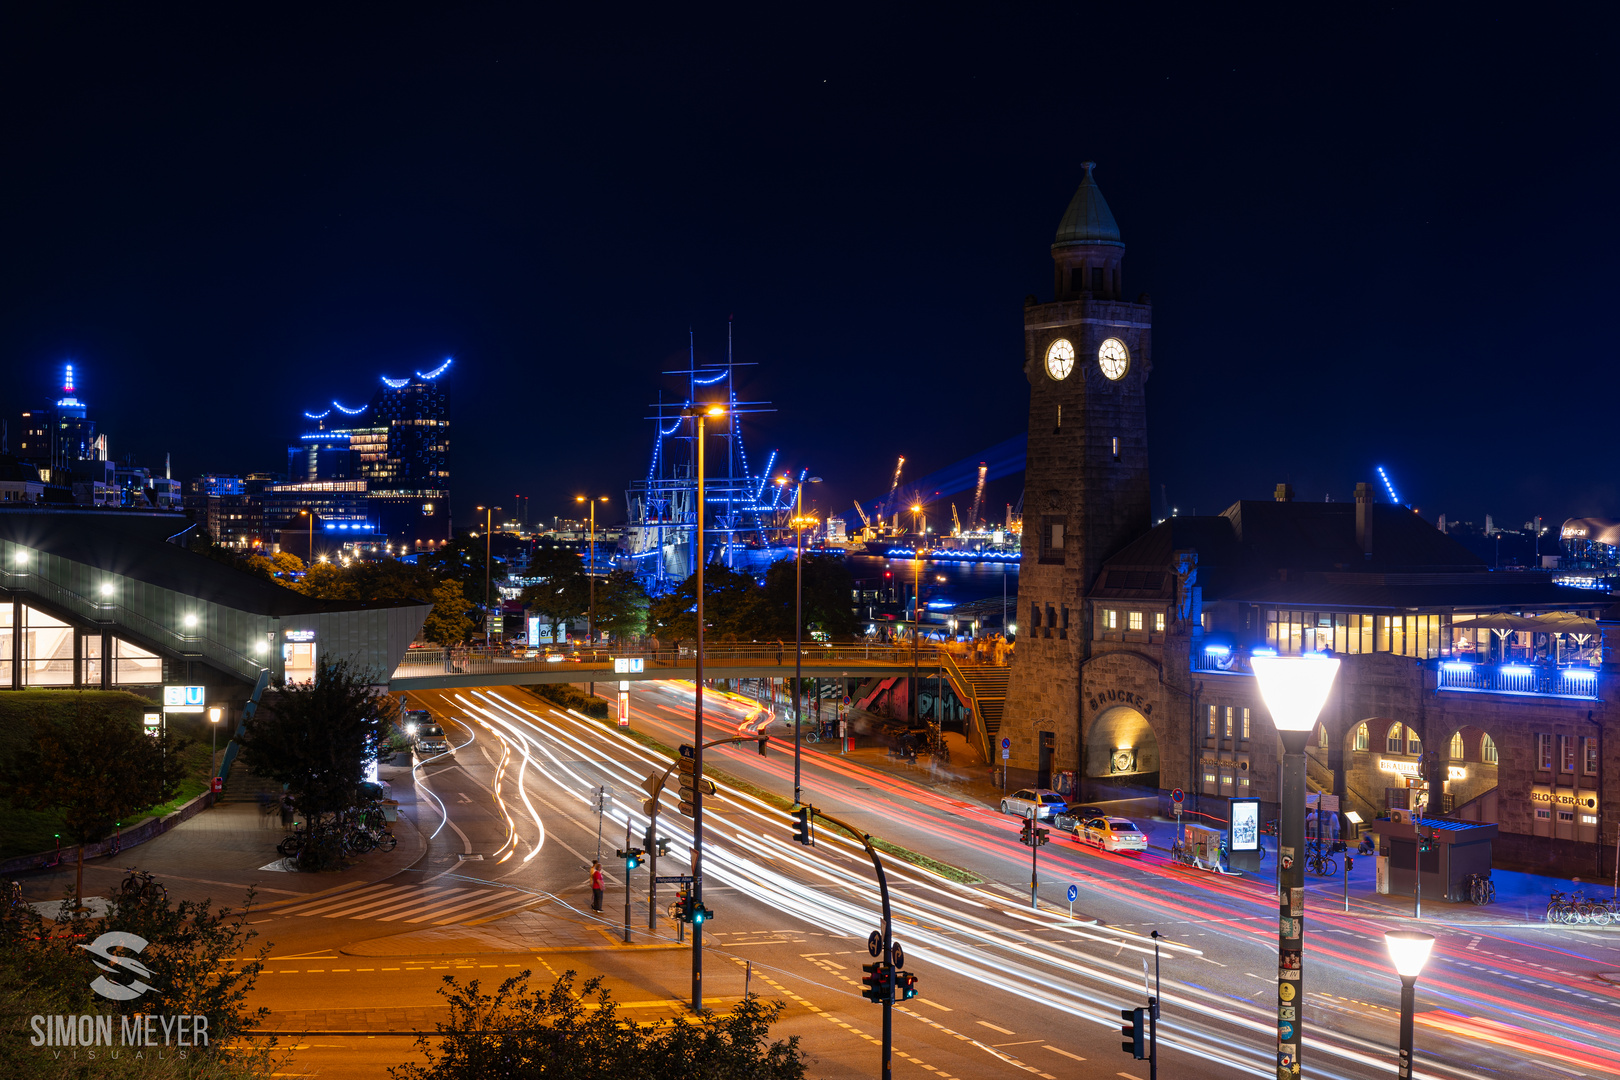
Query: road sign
point(874, 944)
point(1178, 796)
point(1074, 894)
point(686, 766)
point(624, 709)
point(1006, 744)
point(687, 750)
point(899, 955)
point(846, 699)
point(604, 799)
point(677, 879)
point(628, 665)
point(686, 808)
point(1005, 754)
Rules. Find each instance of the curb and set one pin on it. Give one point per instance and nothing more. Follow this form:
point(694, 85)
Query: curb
point(149, 829)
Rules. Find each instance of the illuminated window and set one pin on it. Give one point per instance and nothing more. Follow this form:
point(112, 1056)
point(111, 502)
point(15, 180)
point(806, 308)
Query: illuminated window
point(1111, 619)
point(1243, 781)
point(1136, 620)
point(1590, 757)
point(1229, 721)
point(1396, 741)
point(1158, 622)
point(1544, 752)
point(1209, 778)
point(1566, 753)
point(1211, 732)
point(1543, 814)
point(1245, 728)
point(1456, 747)
point(1487, 749)
point(1321, 736)
point(1363, 739)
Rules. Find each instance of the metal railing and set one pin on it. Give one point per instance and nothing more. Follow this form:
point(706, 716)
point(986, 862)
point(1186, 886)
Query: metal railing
point(1217, 662)
point(1539, 681)
point(595, 660)
point(964, 687)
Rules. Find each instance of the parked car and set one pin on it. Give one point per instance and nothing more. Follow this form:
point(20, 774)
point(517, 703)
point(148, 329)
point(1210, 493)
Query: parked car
point(1044, 801)
point(1114, 834)
point(430, 740)
point(1075, 817)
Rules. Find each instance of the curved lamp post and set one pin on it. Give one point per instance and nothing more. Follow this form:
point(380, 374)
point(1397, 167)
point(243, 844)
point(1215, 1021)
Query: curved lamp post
point(1294, 688)
point(800, 523)
point(1409, 951)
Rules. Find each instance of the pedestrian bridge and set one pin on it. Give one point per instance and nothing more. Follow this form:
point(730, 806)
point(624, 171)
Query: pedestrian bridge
point(452, 669)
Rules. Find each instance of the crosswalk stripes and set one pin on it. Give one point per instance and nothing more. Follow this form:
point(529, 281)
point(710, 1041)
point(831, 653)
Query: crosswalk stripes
point(437, 905)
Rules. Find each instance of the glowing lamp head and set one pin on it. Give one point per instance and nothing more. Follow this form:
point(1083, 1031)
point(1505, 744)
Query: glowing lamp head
point(1294, 687)
point(20, 557)
point(215, 714)
point(106, 588)
point(714, 410)
point(190, 621)
point(1408, 951)
point(916, 509)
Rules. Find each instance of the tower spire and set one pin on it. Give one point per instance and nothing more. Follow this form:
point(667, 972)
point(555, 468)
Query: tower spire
point(1087, 250)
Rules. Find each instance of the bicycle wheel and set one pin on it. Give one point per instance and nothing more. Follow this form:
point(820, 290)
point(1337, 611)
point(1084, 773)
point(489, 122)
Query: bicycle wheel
point(1490, 891)
point(388, 842)
point(1332, 868)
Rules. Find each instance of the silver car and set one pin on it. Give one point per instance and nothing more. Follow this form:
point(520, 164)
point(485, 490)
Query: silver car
point(1044, 801)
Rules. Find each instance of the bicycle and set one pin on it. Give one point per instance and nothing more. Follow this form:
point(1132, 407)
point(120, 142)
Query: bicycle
point(1317, 863)
point(140, 883)
point(1481, 889)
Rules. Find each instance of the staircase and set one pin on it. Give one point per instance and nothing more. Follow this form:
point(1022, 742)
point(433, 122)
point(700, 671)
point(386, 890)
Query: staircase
point(984, 688)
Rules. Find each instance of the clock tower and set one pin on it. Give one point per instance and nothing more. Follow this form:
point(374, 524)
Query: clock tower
point(1087, 356)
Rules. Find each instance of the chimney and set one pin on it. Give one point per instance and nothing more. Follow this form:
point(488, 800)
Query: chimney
point(1285, 493)
point(1364, 518)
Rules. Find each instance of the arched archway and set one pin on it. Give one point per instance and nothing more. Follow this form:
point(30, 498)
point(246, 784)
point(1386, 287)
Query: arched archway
point(1470, 760)
point(1122, 751)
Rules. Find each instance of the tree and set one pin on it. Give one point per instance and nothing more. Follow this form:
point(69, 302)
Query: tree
point(563, 593)
point(447, 624)
point(287, 563)
point(462, 559)
point(733, 603)
point(326, 581)
point(621, 605)
point(318, 738)
point(97, 767)
point(828, 587)
point(557, 1034)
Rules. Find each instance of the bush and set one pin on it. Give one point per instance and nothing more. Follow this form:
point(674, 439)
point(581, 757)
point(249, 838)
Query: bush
point(569, 696)
point(517, 1033)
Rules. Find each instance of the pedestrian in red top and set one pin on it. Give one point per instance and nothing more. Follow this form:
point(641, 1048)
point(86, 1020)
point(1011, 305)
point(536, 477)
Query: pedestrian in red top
point(596, 885)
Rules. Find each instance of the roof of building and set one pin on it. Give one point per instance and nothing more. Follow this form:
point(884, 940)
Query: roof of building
point(1303, 554)
point(135, 544)
point(1088, 219)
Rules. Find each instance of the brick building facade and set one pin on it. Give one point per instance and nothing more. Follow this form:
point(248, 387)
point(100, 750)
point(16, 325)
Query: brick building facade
point(1479, 693)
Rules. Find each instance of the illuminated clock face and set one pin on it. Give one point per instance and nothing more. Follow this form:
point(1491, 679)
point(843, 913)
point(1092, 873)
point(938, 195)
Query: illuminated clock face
point(1114, 358)
point(1060, 359)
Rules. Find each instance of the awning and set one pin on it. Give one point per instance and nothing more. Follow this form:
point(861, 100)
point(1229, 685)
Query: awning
point(1553, 622)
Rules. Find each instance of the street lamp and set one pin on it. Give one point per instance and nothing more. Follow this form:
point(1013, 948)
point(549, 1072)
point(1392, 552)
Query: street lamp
point(1294, 689)
point(215, 714)
point(916, 606)
point(591, 552)
point(799, 524)
point(701, 414)
point(489, 513)
point(1409, 951)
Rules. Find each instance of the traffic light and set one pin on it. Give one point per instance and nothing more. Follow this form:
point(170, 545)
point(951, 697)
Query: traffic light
point(1026, 832)
point(1135, 1031)
point(905, 986)
point(701, 915)
point(801, 827)
point(1349, 863)
point(1042, 836)
point(631, 857)
point(875, 983)
point(685, 906)
point(764, 741)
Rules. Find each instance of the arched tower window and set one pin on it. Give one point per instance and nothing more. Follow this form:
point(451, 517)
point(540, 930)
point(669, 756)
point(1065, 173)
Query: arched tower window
point(1456, 746)
point(1487, 749)
point(1363, 738)
point(1321, 736)
point(1395, 742)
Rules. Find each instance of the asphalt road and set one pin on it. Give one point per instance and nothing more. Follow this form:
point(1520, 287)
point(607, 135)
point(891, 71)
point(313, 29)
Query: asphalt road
point(1003, 990)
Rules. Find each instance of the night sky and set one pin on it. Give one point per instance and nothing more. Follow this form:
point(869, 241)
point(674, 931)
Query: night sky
point(1371, 237)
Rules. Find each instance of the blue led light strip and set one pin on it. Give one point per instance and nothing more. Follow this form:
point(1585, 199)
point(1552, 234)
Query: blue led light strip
point(395, 383)
point(318, 416)
point(436, 372)
point(1388, 486)
point(348, 411)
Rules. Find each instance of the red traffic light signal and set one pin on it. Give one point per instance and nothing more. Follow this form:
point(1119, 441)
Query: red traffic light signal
point(875, 983)
point(1026, 832)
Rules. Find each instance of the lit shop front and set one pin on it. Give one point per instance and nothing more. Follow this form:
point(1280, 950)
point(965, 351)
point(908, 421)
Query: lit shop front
point(298, 655)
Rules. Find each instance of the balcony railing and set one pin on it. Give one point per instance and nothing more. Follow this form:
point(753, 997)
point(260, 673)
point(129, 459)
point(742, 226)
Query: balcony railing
point(1564, 682)
point(1221, 660)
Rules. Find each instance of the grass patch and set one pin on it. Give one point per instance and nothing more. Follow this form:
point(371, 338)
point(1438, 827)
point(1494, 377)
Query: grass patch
point(943, 869)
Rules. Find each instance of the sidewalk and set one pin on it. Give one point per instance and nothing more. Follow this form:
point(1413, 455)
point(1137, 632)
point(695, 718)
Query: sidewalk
point(1521, 899)
point(232, 846)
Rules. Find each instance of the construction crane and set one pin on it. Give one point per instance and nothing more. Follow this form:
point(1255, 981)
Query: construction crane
point(978, 499)
point(894, 485)
point(956, 522)
point(866, 522)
